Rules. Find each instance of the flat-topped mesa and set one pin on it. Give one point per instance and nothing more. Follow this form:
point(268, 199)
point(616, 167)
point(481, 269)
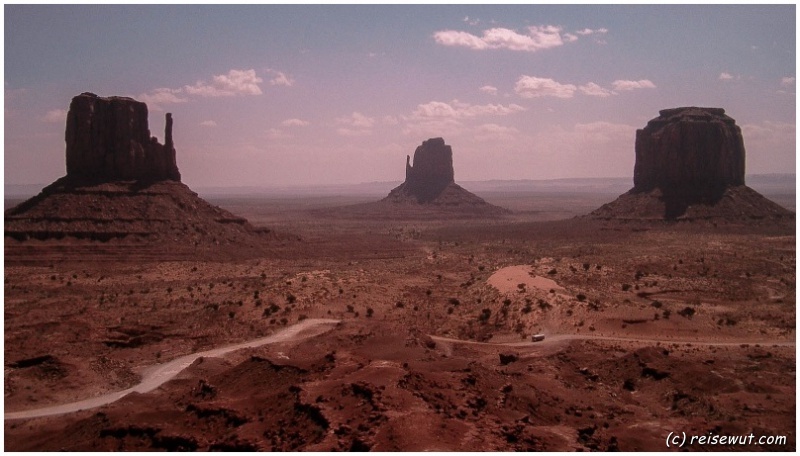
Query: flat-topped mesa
point(691, 153)
point(432, 171)
point(690, 166)
point(108, 139)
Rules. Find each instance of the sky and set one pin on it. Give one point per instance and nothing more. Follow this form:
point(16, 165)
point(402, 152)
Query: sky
point(282, 95)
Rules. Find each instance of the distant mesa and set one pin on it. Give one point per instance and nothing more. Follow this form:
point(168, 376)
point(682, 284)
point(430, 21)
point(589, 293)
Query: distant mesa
point(122, 184)
point(690, 164)
point(431, 174)
point(430, 182)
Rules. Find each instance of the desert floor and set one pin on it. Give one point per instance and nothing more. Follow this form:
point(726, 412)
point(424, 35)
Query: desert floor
point(426, 344)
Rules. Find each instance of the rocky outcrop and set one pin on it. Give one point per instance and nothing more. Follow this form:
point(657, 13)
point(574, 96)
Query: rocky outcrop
point(429, 190)
point(690, 165)
point(432, 171)
point(692, 153)
point(122, 194)
point(108, 139)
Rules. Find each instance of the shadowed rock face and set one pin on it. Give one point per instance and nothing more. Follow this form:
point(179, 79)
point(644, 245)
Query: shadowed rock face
point(690, 166)
point(108, 139)
point(691, 154)
point(432, 171)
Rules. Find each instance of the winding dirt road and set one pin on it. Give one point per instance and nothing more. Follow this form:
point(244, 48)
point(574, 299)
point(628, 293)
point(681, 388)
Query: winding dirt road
point(567, 337)
point(157, 375)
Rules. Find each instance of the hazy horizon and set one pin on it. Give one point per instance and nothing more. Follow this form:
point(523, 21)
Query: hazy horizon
point(299, 95)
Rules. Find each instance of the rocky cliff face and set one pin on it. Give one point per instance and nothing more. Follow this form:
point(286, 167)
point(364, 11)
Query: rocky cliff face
point(690, 166)
point(108, 139)
point(432, 171)
point(693, 153)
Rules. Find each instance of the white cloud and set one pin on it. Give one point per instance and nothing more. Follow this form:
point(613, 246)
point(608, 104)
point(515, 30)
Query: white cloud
point(594, 90)
point(623, 85)
point(489, 89)
point(279, 78)
point(356, 124)
point(208, 123)
point(588, 31)
point(494, 132)
point(357, 119)
point(295, 123)
point(457, 110)
point(471, 21)
point(160, 96)
point(455, 38)
point(533, 87)
point(787, 81)
point(236, 82)
point(55, 116)
point(536, 38)
point(725, 76)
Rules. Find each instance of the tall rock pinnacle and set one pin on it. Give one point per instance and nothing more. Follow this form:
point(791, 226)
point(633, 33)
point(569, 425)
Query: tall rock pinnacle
point(108, 139)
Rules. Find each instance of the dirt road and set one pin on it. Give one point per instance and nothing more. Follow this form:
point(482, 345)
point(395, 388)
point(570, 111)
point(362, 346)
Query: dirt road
point(157, 375)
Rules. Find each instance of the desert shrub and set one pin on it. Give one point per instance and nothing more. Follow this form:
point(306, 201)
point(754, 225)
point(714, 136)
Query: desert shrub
point(581, 297)
point(370, 312)
point(484, 315)
point(290, 298)
point(528, 308)
point(454, 301)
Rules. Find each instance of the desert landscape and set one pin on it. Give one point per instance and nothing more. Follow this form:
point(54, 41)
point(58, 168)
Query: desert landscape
point(441, 322)
point(399, 228)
